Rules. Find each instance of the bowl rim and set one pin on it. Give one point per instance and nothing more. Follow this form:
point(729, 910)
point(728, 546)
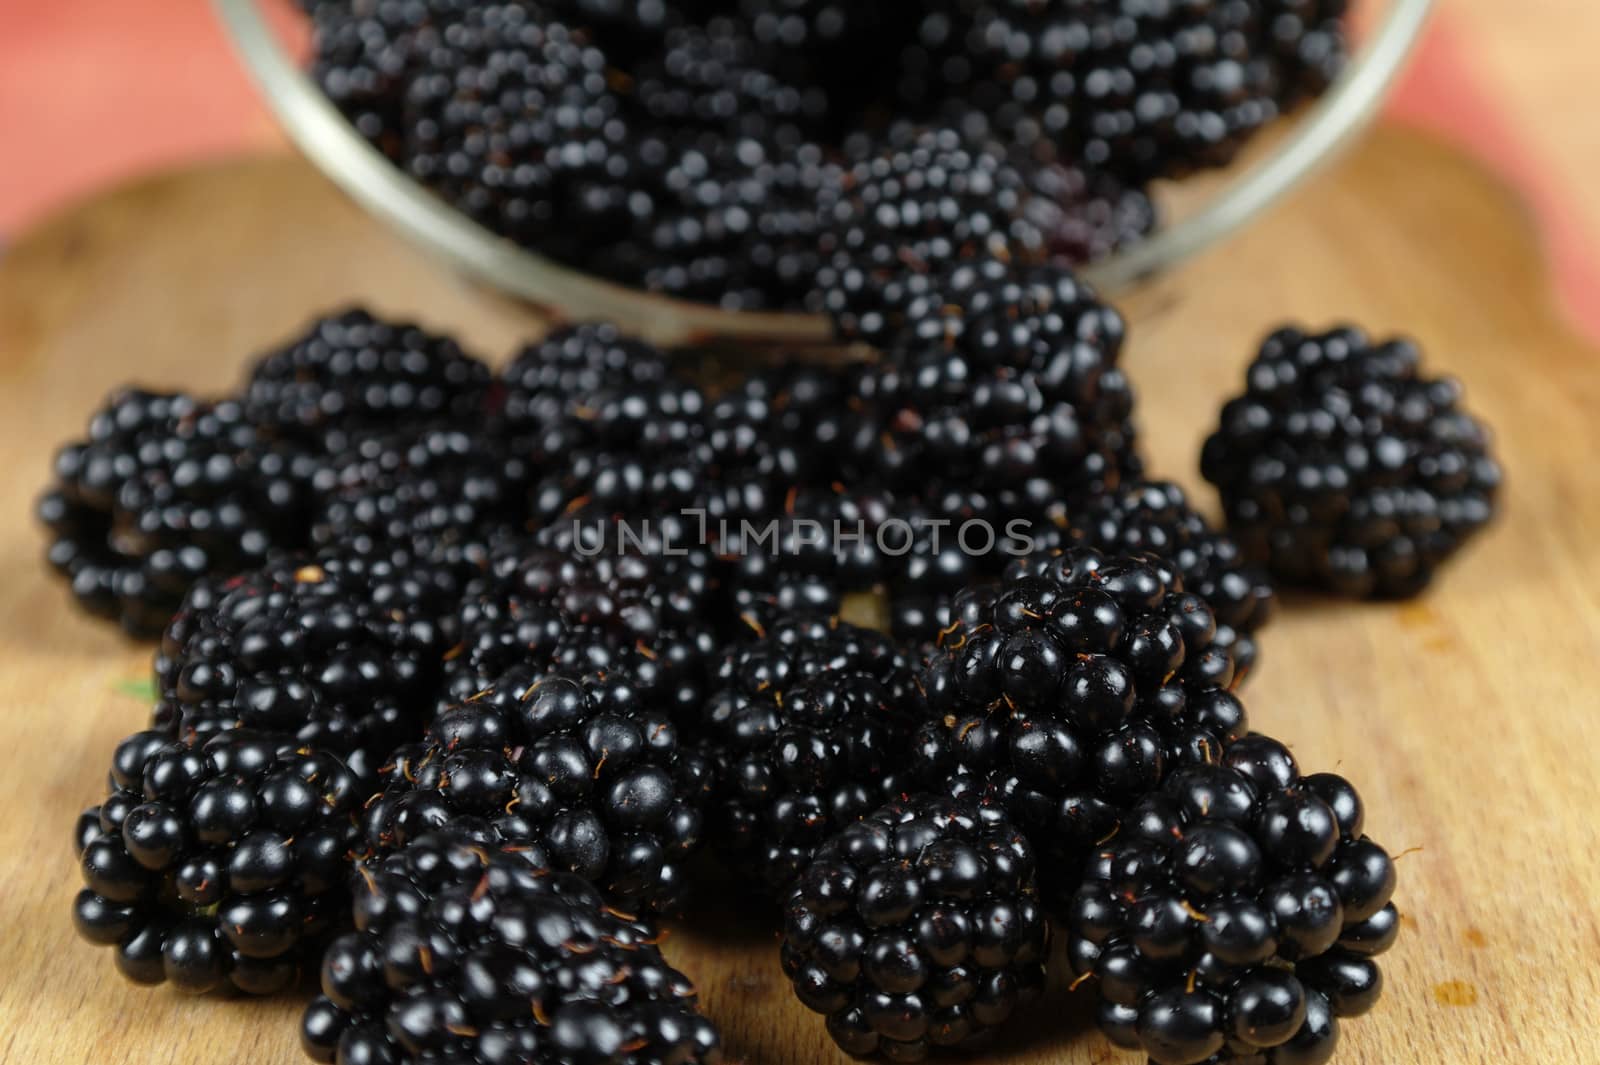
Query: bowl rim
point(332, 143)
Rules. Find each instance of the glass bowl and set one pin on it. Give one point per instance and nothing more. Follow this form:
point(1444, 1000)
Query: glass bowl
point(1196, 211)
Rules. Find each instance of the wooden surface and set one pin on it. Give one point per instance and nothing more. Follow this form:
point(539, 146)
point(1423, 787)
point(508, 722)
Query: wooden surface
point(1468, 720)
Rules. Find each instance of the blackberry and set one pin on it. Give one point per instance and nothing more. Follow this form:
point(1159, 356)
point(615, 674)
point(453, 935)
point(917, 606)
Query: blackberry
point(1155, 517)
point(810, 557)
point(844, 49)
point(219, 864)
point(589, 594)
point(629, 453)
point(443, 493)
point(709, 77)
point(340, 652)
point(612, 428)
point(513, 119)
point(916, 928)
point(1310, 42)
point(1140, 90)
point(167, 489)
point(1070, 689)
point(548, 378)
point(583, 765)
point(736, 223)
point(1003, 379)
point(924, 199)
point(352, 373)
point(785, 430)
point(1344, 468)
point(1236, 914)
point(364, 54)
point(468, 952)
point(806, 730)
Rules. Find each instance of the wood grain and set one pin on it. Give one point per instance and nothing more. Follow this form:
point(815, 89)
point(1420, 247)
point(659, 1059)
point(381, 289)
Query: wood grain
point(1468, 719)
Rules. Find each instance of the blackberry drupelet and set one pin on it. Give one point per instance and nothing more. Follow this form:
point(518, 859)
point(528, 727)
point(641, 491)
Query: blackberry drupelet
point(1236, 914)
point(340, 651)
point(917, 928)
point(1155, 517)
point(221, 861)
point(1068, 691)
point(442, 493)
point(589, 594)
point(924, 199)
point(352, 373)
point(1344, 468)
point(165, 490)
point(806, 731)
point(465, 951)
point(585, 766)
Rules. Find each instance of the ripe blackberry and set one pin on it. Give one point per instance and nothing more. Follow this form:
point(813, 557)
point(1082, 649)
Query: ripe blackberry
point(468, 952)
point(1310, 42)
point(220, 861)
point(611, 427)
point(735, 225)
point(806, 731)
point(513, 119)
point(589, 594)
point(629, 452)
point(1155, 517)
point(917, 927)
point(337, 651)
point(585, 766)
point(709, 77)
point(844, 49)
point(363, 55)
point(1069, 690)
point(1004, 380)
point(1235, 915)
point(442, 493)
point(1344, 468)
point(551, 376)
point(167, 489)
point(924, 199)
point(352, 373)
point(1140, 90)
point(807, 558)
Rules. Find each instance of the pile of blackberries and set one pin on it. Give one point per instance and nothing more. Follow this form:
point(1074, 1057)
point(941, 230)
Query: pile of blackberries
point(721, 150)
point(465, 675)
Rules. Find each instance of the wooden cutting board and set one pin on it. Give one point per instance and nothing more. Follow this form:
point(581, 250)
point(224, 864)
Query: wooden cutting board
point(1470, 720)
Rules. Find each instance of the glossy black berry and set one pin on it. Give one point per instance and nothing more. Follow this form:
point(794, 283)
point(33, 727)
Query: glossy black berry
point(916, 928)
point(585, 766)
point(587, 593)
point(341, 651)
point(165, 490)
point(1155, 517)
point(1071, 689)
point(1233, 916)
point(353, 373)
point(1344, 468)
point(920, 200)
point(806, 729)
point(218, 864)
point(465, 950)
